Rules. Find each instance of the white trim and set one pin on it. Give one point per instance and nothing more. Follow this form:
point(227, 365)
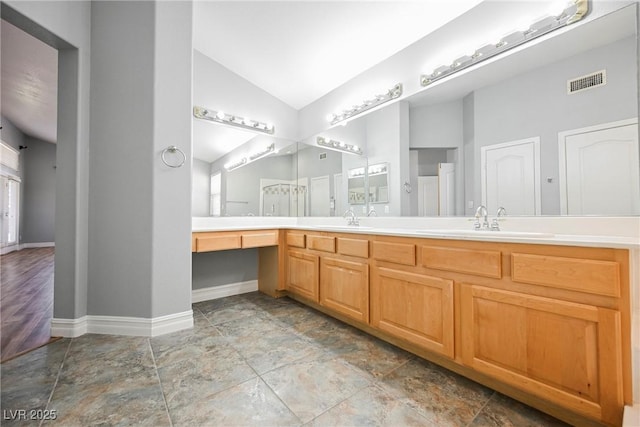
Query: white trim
point(536, 168)
point(215, 292)
point(68, 328)
point(8, 249)
point(18, 247)
point(37, 245)
point(562, 154)
point(120, 325)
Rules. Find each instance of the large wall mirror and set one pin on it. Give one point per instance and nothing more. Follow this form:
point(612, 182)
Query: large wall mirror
point(241, 173)
point(551, 129)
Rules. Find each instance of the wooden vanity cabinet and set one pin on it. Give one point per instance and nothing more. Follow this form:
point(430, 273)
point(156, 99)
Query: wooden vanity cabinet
point(549, 321)
point(562, 351)
point(344, 287)
point(415, 307)
point(303, 274)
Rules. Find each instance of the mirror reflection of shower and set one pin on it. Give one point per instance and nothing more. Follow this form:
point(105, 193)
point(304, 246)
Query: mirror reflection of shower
point(283, 199)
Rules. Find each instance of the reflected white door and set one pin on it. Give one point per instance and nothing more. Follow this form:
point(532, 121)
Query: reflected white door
point(339, 194)
point(427, 195)
point(599, 170)
point(9, 214)
point(510, 176)
point(446, 189)
point(319, 196)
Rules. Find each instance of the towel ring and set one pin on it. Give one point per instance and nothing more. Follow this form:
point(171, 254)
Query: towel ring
point(173, 149)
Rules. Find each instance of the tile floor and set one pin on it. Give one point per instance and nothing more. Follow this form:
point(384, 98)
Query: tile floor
point(249, 360)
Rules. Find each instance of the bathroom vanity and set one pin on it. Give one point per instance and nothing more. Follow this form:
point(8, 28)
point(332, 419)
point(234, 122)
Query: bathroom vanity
point(545, 320)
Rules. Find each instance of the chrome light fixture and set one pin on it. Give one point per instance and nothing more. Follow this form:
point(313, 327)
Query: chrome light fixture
point(229, 119)
point(573, 13)
point(235, 164)
point(365, 105)
point(338, 146)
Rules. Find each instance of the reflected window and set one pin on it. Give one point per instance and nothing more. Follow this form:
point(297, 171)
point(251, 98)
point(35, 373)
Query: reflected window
point(216, 199)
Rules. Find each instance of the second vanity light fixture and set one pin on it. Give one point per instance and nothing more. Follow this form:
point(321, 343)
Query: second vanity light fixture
point(230, 119)
point(332, 144)
point(573, 13)
point(365, 105)
point(235, 164)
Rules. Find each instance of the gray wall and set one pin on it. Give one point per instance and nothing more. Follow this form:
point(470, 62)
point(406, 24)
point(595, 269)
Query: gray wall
point(39, 203)
point(224, 267)
point(241, 187)
point(65, 25)
point(201, 188)
point(437, 125)
point(140, 213)
point(537, 104)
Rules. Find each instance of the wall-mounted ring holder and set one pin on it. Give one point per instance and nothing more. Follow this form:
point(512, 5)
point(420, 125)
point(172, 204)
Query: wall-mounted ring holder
point(173, 149)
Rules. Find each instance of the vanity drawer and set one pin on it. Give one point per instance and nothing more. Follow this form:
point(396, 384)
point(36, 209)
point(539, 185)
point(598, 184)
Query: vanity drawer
point(353, 247)
point(321, 243)
point(218, 241)
point(256, 239)
point(295, 240)
point(471, 261)
point(576, 274)
point(399, 253)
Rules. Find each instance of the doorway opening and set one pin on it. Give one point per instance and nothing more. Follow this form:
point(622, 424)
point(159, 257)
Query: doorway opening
point(28, 190)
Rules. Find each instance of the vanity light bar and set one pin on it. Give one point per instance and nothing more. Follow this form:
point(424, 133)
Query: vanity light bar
point(573, 13)
point(262, 153)
point(235, 164)
point(229, 119)
point(338, 146)
point(368, 104)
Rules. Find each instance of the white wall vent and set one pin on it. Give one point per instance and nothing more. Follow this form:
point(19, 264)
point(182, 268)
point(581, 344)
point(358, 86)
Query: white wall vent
point(590, 81)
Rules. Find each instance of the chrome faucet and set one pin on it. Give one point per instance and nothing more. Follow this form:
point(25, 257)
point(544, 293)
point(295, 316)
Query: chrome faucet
point(372, 212)
point(351, 217)
point(494, 224)
point(481, 212)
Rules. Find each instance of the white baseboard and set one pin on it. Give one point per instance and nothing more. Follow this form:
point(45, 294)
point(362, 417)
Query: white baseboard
point(18, 247)
point(215, 292)
point(120, 325)
point(37, 245)
point(68, 328)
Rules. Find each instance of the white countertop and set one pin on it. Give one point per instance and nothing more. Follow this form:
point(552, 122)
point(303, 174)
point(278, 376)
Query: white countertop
point(623, 232)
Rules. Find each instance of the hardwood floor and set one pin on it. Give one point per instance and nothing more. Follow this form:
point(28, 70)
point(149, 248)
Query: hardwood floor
point(26, 300)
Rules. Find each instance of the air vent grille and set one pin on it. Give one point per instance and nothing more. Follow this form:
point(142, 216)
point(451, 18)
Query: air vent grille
point(589, 81)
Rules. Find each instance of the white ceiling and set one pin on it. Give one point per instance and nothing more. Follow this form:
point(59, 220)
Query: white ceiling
point(299, 51)
point(29, 83)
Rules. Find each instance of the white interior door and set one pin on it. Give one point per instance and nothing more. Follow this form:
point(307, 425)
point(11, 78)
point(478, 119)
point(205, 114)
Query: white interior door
point(427, 195)
point(446, 189)
point(338, 194)
point(319, 196)
point(510, 175)
point(10, 190)
point(599, 170)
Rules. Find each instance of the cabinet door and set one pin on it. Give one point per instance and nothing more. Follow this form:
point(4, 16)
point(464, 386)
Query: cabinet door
point(415, 307)
point(302, 277)
point(344, 287)
point(565, 352)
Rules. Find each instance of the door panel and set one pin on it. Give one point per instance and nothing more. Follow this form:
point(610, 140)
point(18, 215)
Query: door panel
point(344, 287)
point(562, 351)
point(510, 177)
point(600, 172)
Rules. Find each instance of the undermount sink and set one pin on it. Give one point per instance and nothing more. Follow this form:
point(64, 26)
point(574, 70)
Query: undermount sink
point(340, 227)
point(488, 233)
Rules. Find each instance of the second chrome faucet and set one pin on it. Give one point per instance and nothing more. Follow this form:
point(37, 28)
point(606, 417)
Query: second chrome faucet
point(482, 212)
